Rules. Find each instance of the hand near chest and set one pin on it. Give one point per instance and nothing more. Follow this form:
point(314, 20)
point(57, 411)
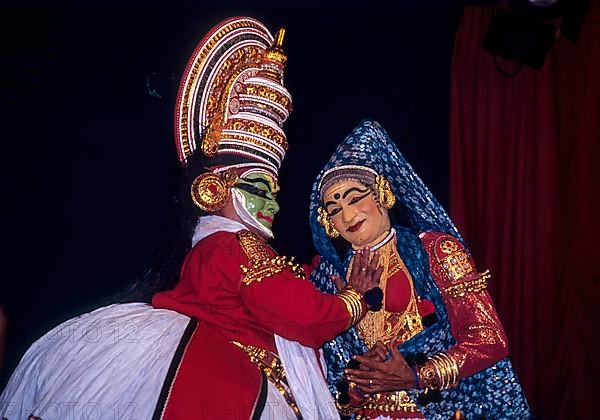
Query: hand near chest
point(382, 369)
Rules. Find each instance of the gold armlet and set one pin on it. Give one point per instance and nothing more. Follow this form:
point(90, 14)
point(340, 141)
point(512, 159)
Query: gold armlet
point(476, 285)
point(353, 301)
point(440, 371)
point(453, 258)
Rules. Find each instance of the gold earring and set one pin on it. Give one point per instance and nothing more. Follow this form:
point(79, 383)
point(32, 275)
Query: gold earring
point(210, 191)
point(383, 190)
point(325, 221)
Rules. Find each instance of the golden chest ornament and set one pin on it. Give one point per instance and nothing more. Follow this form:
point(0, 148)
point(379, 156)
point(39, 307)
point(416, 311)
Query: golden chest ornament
point(383, 325)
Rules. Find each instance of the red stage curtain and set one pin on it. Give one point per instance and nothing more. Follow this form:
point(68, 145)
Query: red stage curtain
point(524, 169)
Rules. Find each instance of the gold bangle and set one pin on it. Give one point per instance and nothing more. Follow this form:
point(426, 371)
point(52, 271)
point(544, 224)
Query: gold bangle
point(428, 375)
point(440, 371)
point(452, 370)
point(353, 301)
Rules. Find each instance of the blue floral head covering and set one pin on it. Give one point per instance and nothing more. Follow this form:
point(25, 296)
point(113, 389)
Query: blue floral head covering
point(492, 393)
point(369, 146)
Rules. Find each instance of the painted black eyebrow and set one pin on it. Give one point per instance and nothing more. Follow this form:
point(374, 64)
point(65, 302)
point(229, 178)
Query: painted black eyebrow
point(348, 191)
point(329, 203)
point(264, 181)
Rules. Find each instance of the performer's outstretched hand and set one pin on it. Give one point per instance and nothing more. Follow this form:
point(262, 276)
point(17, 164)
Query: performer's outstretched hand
point(365, 275)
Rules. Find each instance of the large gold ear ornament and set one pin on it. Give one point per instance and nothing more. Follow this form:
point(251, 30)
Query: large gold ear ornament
point(211, 191)
point(384, 193)
point(325, 221)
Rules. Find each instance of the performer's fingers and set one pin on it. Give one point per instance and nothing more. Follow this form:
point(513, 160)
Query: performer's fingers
point(368, 362)
point(364, 381)
point(367, 254)
point(377, 276)
point(356, 263)
point(395, 351)
point(360, 376)
point(374, 261)
point(338, 282)
point(380, 349)
point(372, 388)
point(365, 389)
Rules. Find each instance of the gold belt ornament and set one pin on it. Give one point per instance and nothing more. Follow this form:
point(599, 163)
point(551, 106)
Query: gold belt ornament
point(389, 402)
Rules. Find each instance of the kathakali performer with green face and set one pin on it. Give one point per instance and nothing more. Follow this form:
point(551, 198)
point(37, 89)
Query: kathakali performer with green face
point(258, 196)
point(237, 332)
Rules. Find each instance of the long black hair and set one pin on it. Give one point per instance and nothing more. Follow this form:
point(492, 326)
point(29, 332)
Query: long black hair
point(161, 272)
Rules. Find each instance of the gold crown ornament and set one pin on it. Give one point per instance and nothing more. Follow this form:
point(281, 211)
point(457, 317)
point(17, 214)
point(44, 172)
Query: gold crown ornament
point(232, 102)
point(231, 105)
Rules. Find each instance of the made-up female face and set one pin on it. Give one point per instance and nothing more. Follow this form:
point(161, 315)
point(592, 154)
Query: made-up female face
point(355, 213)
point(260, 191)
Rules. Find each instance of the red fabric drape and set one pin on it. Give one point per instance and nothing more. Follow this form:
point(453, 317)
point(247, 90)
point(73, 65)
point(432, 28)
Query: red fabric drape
point(524, 171)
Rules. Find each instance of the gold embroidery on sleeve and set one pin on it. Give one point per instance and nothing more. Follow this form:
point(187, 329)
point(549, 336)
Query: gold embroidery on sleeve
point(262, 263)
point(456, 263)
point(475, 285)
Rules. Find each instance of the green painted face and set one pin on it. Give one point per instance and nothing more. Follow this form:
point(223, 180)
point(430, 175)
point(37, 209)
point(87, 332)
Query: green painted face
point(260, 192)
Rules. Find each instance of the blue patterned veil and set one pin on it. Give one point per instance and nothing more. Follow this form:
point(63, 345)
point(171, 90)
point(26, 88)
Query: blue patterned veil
point(369, 146)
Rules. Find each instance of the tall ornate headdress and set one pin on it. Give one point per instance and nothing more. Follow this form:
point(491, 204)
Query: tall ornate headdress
point(231, 105)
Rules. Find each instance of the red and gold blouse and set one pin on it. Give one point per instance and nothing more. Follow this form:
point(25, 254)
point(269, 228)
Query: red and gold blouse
point(480, 338)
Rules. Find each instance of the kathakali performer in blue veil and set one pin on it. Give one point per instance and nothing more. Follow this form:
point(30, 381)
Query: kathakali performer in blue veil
point(437, 345)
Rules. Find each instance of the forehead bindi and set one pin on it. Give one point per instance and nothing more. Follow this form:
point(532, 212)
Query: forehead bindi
point(336, 192)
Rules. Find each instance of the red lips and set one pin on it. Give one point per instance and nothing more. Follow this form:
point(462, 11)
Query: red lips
point(355, 227)
point(262, 216)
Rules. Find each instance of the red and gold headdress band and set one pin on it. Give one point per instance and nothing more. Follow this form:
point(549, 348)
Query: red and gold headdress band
point(231, 101)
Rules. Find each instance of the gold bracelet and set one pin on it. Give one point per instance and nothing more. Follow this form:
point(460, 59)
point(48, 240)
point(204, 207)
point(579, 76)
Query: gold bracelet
point(353, 301)
point(428, 376)
point(440, 371)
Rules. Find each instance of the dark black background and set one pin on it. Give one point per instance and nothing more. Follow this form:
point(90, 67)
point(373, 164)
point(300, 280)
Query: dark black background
point(88, 159)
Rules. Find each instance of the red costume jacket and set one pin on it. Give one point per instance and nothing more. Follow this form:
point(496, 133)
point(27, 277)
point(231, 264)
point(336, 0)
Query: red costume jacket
point(237, 289)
